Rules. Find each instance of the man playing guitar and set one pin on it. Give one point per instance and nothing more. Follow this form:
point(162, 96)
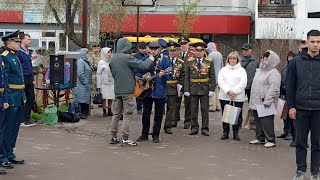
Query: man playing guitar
point(157, 95)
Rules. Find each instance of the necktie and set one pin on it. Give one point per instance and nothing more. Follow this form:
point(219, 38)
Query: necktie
point(183, 54)
point(172, 61)
point(199, 64)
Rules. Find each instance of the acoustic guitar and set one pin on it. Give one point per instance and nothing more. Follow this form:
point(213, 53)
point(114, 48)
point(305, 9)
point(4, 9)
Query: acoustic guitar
point(145, 84)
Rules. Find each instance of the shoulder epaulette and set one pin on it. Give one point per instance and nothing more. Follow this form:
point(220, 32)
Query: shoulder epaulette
point(180, 60)
point(5, 53)
point(208, 59)
point(191, 58)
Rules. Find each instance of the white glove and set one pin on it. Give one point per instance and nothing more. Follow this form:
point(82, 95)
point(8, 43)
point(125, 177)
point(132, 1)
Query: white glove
point(211, 93)
point(187, 94)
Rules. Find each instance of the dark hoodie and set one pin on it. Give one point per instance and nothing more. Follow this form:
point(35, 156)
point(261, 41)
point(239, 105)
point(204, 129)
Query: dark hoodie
point(122, 66)
point(250, 65)
point(303, 82)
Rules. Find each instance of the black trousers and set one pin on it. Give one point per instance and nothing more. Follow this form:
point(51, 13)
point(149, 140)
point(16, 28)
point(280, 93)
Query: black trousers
point(226, 126)
point(248, 93)
point(204, 106)
point(139, 104)
point(158, 115)
point(171, 111)
point(264, 128)
point(306, 121)
point(288, 126)
point(84, 109)
point(29, 91)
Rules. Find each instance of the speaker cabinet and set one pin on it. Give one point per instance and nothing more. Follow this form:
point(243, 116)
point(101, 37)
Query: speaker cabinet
point(56, 70)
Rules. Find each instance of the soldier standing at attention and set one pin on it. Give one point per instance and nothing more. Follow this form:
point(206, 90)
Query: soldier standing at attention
point(199, 84)
point(173, 96)
point(185, 54)
point(3, 105)
point(16, 99)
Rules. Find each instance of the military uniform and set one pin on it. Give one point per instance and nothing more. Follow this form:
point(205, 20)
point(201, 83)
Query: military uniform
point(187, 111)
point(199, 83)
point(16, 98)
point(94, 59)
point(172, 94)
point(3, 99)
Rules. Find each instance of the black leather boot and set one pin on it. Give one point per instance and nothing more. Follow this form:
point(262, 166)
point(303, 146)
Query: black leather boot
point(110, 112)
point(105, 113)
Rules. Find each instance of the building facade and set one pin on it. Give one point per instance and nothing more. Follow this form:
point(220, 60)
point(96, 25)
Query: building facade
point(286, 19)
point(226, 22)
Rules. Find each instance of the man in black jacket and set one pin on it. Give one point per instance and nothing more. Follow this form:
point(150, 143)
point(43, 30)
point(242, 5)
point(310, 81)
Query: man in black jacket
point(303, 96)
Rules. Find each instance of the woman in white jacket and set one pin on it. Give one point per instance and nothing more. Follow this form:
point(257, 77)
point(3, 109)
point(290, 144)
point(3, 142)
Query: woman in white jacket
point(232, 81)
point(105, 81)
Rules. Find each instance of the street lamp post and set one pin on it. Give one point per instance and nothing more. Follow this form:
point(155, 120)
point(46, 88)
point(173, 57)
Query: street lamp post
point(138, 14)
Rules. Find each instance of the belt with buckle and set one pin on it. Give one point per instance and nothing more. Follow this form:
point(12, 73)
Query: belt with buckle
point(172, 81)
point(16, 86)
point(200, 80)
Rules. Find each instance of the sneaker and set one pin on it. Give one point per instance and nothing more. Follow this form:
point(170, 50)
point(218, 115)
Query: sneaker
point(283, 135)
point(288, 137)
point(269, 145)
point(142, 138)
point(27, 124)
point(299, 175)
point(128, 143)
point(314, 177)
point(293, 143)
point(224, 137)
point(114, 140)
point(256, 142)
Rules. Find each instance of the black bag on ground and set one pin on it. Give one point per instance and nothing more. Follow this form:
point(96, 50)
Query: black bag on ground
point(97, 99)
point(68, 117)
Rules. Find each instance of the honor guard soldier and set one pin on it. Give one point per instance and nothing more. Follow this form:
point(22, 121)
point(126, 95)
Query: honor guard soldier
point(3, 105)
point(199, 84)
point(185, 54)
point(16, 99)
point(174, 95)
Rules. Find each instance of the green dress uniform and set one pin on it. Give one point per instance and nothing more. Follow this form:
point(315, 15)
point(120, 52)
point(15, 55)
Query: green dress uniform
point(16, 97)
point(173, 98)
point(199, 80)
point(187, 111)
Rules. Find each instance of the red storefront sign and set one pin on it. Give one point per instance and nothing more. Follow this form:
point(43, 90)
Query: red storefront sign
point(163, 23)
point(11, 17)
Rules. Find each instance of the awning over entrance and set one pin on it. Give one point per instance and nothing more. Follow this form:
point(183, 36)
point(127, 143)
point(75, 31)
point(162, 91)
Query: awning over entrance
point(163, 23)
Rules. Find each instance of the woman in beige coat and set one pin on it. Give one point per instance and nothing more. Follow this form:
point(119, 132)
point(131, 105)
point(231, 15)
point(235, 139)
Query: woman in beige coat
point(265, 91)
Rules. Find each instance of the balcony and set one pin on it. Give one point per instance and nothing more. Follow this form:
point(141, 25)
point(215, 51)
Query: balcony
point(276, 11)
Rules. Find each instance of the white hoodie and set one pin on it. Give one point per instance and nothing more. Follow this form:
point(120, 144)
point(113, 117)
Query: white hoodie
point(232, 78)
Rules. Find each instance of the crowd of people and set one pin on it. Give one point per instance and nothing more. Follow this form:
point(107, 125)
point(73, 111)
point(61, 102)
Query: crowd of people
point(172, 73)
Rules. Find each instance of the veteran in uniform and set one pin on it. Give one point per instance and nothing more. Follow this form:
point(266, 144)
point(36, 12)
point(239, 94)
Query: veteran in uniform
point(199, 84)
point(173, 96)
point(3, 105)
point(94, 59)
point(16, 99)
point(185, 54)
